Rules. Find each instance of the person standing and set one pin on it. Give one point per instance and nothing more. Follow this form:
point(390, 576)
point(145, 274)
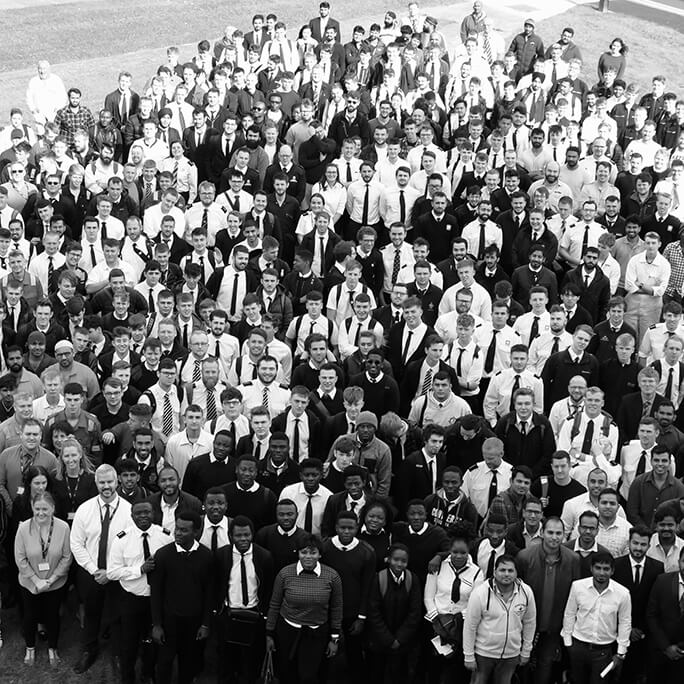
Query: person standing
point(96, 524)
point(664, 621)
point(305, 616)
point(43, 557)
point(181, 596)
point(550, 569)
point(245, 581)
point(499, 625)
point(637, 573)
point(597, 623)
point(131, 563)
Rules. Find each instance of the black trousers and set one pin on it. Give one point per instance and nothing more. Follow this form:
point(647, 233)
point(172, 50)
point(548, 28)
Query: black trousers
point(300, 653)
point(393, 666)
point(353, 650)
point(588, 660)
point(240, 662)
point(180, 640)
point(136, 626)
point(43, 608)
point(101, 608)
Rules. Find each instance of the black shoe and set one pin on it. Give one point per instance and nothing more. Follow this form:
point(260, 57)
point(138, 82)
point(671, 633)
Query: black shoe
point(84, 662)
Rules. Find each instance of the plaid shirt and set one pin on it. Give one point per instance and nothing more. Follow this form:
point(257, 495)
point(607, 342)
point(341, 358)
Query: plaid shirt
point(673, 253)
point(69, 122)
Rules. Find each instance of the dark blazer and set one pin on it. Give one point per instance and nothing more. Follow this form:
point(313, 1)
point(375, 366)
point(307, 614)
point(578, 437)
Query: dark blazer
point(296, 180)
point(594, 298)
point(112, 104)
point(335, 427)
point(524, 279)
point(602, 344)
point(629, 412)
point(279, 423)
point(315, 26)
point(489, 282)
point(668, 229)
point(314, 156)
point(438, 233)
point(412, 480)
point(523, 241)
point(618, 227)
point(580, 317)
point(650, 572)
point(558, 370)
point(309, 243)
point(409, 383)
point(663, 618)
point(509, 548)
point(306, 92)
point(263, 566)
point(509, 228)
point(447, 267)
point(394, 350)
point(533, 449)
point(186, 502)
point(336, 503)
point(179, 248)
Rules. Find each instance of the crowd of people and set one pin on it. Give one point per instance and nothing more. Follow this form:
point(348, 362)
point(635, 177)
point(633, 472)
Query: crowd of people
point(350, 359)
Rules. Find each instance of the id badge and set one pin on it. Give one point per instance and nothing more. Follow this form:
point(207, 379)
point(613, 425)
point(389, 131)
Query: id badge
point(43, 567)
point(20, 491)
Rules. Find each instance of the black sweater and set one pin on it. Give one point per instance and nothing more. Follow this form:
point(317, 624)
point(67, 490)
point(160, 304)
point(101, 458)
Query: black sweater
point(201, 474)
point(258, 506)
point(181, 584)
point(356, 568)
point(422, 547)
point(282, 548)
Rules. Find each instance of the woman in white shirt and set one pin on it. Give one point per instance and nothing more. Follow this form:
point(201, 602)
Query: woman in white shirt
point(446, 598)
point(333, 191)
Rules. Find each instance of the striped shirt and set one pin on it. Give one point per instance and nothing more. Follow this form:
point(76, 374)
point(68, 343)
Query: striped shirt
point(307, 599)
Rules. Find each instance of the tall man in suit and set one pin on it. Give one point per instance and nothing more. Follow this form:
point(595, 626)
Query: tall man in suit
point(665, 623)
point(123, 102)
point(638, 573)
point(244, 581)
point(323, 21)
point(593, 284)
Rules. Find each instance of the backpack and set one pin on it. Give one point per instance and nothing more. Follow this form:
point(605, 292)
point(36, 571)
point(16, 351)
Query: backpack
point(383, 581)
point(605, 426)
point(298, 325)
point(153, 401)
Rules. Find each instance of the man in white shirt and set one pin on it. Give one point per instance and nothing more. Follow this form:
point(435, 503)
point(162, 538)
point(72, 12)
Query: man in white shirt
point(309, 495)
point(166, 207)
point(483, 481)
point(537, 321)
point(193, 441)
point(585, 234)
point(482, 302)
point(45, 265)
point(482, 232)
point(96, 524)
point(397, 258)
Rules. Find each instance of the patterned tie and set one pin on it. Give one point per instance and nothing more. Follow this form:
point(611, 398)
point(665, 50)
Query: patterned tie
point(167, 416)
point(211, 405)
point(427, 382)
point(196, 372)
point(174, 175)
point(487, 46)
point(205, 219)
point(264, 397)
point(147, 194)
point(396, 265)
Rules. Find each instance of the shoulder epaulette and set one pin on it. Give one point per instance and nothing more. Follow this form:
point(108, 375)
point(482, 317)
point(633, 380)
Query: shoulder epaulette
point(189, 164)
point(283, 386)
point(166, 532)
point(473, 468)
point(498, 373)
point(536, 376)
point(249, 383)
point(121, 534)
point(653, 327)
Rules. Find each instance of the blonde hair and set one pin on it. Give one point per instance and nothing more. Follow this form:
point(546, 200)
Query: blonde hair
point(86, 464)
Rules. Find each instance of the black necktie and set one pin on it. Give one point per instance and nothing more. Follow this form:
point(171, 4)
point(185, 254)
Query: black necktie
point(146, 551)
point(493, 488)
point(102, 544)
point(554, 346)
point(308, 515)
point(150, 301)
point(233, 297)
point(588, 438)
point(489, 359)
point(295, 441)
point(366, 202)
point(516, 386)
point(641, 466)
point(402, 207)
point(243, 580)
point(637, 575)
point(490, 564)
point(668, 386)
point(214, 538)
point(404, 355)
point(534, 330)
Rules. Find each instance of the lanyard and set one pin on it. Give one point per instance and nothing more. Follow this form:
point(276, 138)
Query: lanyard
point(112, 513)
point(72, 492)
point(44, 546)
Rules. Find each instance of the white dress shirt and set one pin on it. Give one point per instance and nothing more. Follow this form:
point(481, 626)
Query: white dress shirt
point(476, 482)
point(222, 538)
point(298, 494)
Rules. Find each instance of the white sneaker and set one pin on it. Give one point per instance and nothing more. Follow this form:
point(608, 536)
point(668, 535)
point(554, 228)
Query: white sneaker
point(53, 657)
point(30, 657)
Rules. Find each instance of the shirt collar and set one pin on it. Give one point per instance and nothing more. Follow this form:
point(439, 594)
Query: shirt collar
point(316, 570)
point(339, 545)
point(223, 523)
point(283, 533)
point(252, 489)
point(420, 531)
point(194, 547)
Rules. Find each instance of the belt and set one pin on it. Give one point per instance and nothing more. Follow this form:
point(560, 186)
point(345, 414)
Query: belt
point(594, 647)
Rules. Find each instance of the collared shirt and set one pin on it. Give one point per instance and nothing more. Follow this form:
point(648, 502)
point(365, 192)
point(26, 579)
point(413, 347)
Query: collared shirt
point(492, 236)
point(180, 450)
point(42, 409)
point(505, 339)
point(159, 397)
point(40, 267)
point(253, 396)
point(168, 511)
point(655, 274)
point(406, 262)
point(438, 596)
point(561, 411)
point(476, 482)
point(615, 537)
point(675, 256)
point(669, 559)
point(623, 251)
point(573, 508)
point(676, 385)
point(225, 293)
point(235, 597)
point(598, 618)
point(484, 553)
point(481, 305)
point(126, 556)
point(87, 527)
point(573, 239)
point(541, 348)
point(413, 340)
point(340, 301)
point(303, 326)
point(523, 325)
point(302, 423)
point(630, 458)
point(653, 341)
point(356, 193)
point(497, 400)
point(222, 537)
point(390, 203)
point(470, 361)
point(298, 494)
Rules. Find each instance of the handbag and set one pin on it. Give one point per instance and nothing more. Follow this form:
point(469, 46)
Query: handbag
point(267, 676)
point(240, 626)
